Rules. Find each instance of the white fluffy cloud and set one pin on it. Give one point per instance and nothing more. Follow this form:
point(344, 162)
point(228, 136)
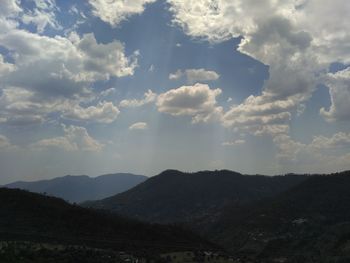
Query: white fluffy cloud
point(322, 154)
point(9, 7)
point(42, 16)
point(297, 39)
point(139, 126)
point(260, 116)
point(176, 75)
point(149, 97)
point(195, 75)
point(289, 24)
point(75, 139)
point(73, 60)
point(198, 101)
point(67, 67)
point(5, 68)
point(5, 143)
point(234, 143)
point(339, 90)
point(115, 11)
point(103, 112)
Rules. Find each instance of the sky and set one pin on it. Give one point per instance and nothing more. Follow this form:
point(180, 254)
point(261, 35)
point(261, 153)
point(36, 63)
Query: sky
point(104, 86)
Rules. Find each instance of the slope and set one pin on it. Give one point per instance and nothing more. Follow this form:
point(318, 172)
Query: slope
point(174, 196)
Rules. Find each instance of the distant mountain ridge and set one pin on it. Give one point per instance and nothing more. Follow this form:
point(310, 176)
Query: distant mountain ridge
point(174, 196)
point(82, 188)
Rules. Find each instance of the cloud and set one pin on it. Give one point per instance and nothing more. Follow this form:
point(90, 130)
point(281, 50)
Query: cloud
point(5, 143)
point(337, 141)
point(66, 61)
point(75, 139)
point(9, 8)
point(5, 68)
point(339, 90)
point(67, 66)
point(198, 101)
point(194, 75)
point(151, 68)
point(260, 115)
point(176, 75)
point(234, 143)
point(42, 16)
point(149, 97)
point(103, 112)
point(106, 60)
point(115, 11)
point(108, 92)
point(321, 154)
point(139, 126)
point(298, 40)
point(18, 107)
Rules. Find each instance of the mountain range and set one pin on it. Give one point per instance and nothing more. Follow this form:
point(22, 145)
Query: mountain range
point(174, 196)
point(308, 223)
point(261, 219)
point(291, 218)
point(82, 188)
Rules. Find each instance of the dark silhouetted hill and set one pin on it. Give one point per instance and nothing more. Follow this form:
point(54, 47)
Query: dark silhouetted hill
point(174, 196)
point(307, 223)
point(29, 216)
point(82, 188)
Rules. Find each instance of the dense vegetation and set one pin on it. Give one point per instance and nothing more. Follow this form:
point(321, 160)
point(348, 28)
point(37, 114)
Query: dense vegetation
point(289, 219)
point(292, 218)
point(29, 252)
point(174, 196)
point(308, 223)
point(34, 217)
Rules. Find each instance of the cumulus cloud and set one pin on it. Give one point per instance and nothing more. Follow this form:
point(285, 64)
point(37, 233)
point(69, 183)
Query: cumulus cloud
point(108, 92)
point(139, 126)
point(75, 139)
point(5, 143)
point(259, 116)
point(195, 75)
point(234, 143)
point(67, 67)
point(103, 112)
point(198, 101)
point(337, 141)
point(339, 90)
point(42, 15)
point(176, 75)
point(322, 154)
point(5, 68)
point(290, 24)
point(18, 107)
point(115, 11)
point(297, 40)
point(9, 8)
point(64, 61)
point(149, 97)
